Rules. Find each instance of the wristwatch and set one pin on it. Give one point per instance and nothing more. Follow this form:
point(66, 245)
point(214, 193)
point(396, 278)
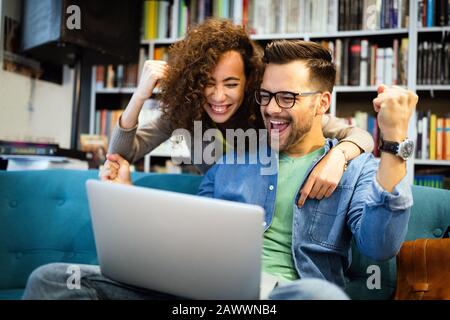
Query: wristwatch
point(404, 149)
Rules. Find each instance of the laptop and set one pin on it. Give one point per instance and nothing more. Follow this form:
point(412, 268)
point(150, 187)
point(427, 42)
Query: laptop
point(184, 245)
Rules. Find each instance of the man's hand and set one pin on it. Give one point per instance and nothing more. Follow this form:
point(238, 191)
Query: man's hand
point(116, 169)
point(395, 106)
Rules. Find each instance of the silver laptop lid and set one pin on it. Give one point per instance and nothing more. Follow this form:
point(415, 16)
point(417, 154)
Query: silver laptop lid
point(189, 246)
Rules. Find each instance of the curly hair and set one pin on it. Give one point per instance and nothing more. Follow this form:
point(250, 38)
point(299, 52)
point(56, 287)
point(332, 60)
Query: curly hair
point(191, 64)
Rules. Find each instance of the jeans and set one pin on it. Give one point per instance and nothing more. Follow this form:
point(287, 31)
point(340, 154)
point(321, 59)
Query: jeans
point(50, 282)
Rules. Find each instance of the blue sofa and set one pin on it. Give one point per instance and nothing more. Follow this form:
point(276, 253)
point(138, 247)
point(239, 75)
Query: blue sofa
point(44, 218)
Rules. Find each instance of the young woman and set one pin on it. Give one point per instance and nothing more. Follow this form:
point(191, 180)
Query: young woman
point(211, 76)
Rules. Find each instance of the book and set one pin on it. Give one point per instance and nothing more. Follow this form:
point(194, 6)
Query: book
point(96, 146)
point(447, 139)
point(388, 66)
point(27, 148)
point(380, 68)
point(338, 62)
point(419, 135)
point(364, 63)
point(425, 149)
point(432, 152)
point(403, 62)
point(355, 62)
point(430, 13)
point(100, 77)
point(395, 62)
point(440, 136)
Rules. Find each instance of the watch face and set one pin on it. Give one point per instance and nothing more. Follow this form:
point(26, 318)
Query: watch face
point(407, 149)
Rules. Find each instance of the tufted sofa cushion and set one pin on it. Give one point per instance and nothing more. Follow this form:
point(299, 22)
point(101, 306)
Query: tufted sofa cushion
point(44, 218)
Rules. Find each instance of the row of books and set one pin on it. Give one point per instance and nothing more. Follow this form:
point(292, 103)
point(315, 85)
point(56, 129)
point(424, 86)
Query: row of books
point(433, 136)
point(373, 14)
point(157, 17)
point(280, 17)
point(274, 16)
point(433, 13)
point(106, 119)
point(126, 76)
point(433, 62)
point(116, 76)
point(193, 12)
point(363, 63)
point(432, 180)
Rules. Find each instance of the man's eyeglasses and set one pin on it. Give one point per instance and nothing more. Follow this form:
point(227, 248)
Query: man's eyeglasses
point(284, 99)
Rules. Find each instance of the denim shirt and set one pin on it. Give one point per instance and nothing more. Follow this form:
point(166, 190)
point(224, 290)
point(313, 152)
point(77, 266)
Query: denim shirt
point(322, 229)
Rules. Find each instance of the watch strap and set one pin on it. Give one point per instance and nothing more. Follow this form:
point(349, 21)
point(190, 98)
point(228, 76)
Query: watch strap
point(389, 146)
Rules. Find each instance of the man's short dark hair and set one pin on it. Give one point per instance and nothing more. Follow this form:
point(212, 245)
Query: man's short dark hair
point(318, 59)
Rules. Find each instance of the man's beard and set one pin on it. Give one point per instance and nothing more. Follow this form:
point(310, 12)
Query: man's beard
point(298, 132)
point(299, 129)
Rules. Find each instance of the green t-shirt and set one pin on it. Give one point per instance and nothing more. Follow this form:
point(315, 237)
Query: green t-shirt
point(277, 252)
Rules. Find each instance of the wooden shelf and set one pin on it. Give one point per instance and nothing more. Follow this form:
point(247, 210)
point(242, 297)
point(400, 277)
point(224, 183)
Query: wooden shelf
point(432, 162)
point(160, 41)
point(358, 33)
point(433, 29)
point(121, 91)
point(116, 90)
point(274, 36)
point(339, 89)
point(433, 87)
point(277, 36)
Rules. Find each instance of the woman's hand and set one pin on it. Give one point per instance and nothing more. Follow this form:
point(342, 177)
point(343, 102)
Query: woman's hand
point(324, 178)
point(116, 169)
point(153, 71)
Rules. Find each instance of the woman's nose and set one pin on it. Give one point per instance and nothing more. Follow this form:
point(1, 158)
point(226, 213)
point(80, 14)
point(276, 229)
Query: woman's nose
point(218, 94)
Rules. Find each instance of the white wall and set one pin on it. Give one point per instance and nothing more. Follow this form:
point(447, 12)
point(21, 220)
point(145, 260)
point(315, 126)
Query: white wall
point(43, 114)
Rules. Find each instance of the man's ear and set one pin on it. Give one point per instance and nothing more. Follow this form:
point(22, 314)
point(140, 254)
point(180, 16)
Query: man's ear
point(324, 103)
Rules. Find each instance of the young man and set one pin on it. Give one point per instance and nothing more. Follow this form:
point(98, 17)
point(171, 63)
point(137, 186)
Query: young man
point(371, 202)
point(307, 248)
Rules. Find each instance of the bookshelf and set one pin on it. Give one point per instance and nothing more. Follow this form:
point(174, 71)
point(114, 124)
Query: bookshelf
point(402, 24)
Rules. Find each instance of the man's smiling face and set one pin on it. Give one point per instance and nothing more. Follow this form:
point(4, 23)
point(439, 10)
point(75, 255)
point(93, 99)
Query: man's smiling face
point(289, 125)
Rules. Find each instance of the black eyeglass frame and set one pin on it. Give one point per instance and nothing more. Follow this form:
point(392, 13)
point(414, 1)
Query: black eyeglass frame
point(274, 94)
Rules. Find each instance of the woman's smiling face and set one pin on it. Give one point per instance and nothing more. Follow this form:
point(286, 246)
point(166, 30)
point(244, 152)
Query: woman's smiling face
point(225, 90)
